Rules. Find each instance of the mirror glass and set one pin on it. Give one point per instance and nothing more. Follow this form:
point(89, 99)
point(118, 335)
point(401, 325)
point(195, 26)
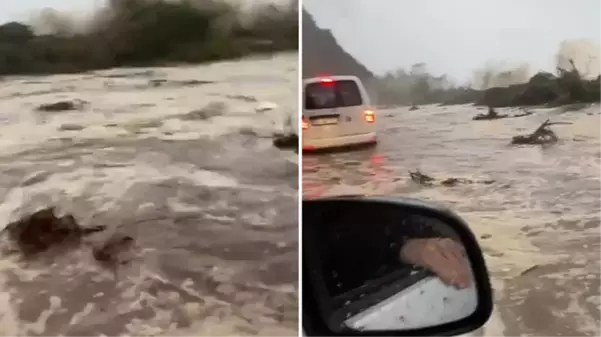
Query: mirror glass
point(383, 267)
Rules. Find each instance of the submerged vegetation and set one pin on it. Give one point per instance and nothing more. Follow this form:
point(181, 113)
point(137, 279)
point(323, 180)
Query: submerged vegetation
point(146, 32)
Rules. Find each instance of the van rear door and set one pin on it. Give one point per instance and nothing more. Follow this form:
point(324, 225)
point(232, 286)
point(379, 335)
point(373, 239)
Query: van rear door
point(321, 109)
point(335, 108)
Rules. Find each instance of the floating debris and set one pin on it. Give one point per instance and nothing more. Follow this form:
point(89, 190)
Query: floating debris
point(110, 251)
point(286, 141)
point(524, 114)
point(485, 117)
point(62, 106)
point(71, 127)
point(42, 230)
point(421, 178)
point(541, 136)
point(161, 82)
point(426, 180)
point(492, 114)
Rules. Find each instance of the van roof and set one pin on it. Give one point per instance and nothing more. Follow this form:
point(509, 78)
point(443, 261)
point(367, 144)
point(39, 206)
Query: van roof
point(334, 78)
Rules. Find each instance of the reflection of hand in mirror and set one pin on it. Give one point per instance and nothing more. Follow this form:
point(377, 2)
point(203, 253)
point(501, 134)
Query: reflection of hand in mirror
point(443, 256)
point(359, 245)
point(381, 266)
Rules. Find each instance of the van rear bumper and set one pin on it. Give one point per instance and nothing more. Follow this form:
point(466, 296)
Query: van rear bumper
point(324, 143)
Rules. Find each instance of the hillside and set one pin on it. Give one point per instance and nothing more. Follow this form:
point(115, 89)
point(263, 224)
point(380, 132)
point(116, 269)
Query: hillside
point(323, 55)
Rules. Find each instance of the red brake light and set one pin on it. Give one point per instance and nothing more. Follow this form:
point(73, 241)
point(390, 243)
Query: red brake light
point(305, 123)
point(326, 81)
point(369, 116)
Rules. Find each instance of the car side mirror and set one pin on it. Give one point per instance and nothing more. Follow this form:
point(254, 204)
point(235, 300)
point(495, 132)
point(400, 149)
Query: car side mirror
point(390, 266)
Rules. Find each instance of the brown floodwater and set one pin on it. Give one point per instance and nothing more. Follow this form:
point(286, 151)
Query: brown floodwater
point(210, 203)
point(542, 211)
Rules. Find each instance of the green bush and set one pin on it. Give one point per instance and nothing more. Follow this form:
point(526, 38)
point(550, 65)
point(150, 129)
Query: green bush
point(542, 89)
point(143, 33)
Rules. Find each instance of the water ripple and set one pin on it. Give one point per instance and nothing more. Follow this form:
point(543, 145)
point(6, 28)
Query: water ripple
point(543, 209)
point(212, 209)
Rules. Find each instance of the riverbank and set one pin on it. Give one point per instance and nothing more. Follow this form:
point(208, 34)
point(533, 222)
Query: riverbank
point(543, 89)
point(150, 33)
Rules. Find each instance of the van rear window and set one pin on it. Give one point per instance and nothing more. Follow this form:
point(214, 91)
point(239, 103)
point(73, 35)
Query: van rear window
point(330, 95)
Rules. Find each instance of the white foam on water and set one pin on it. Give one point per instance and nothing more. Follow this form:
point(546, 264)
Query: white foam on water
point(9, 317)
point(24, 127)
point(516, 218)
point(213, 326)
point(109, 185)
point(125, 110)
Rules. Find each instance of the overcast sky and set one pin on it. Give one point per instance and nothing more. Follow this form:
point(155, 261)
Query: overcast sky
point(21, 10)
point(457, 36)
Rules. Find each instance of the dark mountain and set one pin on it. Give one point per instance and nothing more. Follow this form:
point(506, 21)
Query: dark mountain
point(322, 55)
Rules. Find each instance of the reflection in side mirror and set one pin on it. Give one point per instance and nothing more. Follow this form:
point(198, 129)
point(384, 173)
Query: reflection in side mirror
point(427, 303)
point(377, 265)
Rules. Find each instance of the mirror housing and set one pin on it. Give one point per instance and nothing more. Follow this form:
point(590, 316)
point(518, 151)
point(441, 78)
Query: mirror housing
point(322, 316)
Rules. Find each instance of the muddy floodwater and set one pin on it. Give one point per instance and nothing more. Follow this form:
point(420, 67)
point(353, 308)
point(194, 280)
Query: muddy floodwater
point(538, 222)
point(181, 159)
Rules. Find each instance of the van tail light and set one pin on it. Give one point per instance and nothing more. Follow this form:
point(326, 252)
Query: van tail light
point(305, 123)
point(369, 116)
point(326, 82)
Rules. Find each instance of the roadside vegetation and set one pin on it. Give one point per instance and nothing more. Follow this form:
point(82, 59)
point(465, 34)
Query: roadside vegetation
point(566, 86)
point(149, 33)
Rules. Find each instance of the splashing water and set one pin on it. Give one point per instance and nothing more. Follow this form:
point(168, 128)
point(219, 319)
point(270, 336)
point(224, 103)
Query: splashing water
point(538, 223)
point(210, 202)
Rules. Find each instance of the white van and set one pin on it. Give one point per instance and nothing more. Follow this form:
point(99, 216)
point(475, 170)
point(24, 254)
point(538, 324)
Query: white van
point(336, 112)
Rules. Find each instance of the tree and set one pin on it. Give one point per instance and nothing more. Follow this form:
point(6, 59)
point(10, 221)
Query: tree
point(15, 32)
point(418, 69)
